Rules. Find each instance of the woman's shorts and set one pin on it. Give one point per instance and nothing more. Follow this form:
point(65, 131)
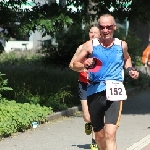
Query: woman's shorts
point(82, 91)
point(101, 109)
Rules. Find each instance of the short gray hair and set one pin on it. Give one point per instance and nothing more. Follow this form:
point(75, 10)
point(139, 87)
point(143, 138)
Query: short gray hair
point(108, 15)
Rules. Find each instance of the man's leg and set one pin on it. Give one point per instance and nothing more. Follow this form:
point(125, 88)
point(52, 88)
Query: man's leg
point(96, 105)
point(85, 110)
point(100, 139)
point(106, 138)
point(86, 115)
point(110, 136)
point(88, 125)
point(112, 120)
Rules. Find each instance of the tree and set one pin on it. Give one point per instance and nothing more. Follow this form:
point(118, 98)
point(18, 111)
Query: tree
point(139, 19)
point(46, 18)
point(52, 17)
point(12, 10)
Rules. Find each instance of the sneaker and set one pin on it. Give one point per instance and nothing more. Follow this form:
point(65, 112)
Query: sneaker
point(88, 128)
point(93, 146)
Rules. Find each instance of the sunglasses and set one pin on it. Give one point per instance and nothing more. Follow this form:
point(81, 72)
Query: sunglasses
point(108, 27)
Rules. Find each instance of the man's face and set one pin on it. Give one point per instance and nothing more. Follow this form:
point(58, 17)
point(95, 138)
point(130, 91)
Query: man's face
point(94, 33)
point(107, 27)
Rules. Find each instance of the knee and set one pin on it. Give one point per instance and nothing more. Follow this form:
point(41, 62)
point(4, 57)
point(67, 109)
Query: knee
point(100, 136)
point(110, 136)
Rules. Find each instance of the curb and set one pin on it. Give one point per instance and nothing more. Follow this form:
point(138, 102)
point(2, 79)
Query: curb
point(73, 110)
point(68, 112)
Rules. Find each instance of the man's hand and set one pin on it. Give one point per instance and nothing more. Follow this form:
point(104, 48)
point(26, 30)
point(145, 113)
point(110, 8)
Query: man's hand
point(133, 72)
point(89, 63)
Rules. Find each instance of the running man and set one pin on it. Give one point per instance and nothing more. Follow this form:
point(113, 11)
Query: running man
point(105, 91)
point(93, 33)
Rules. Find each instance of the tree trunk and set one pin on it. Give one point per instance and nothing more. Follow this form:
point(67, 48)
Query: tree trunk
point(62, 2)
point(51, 1)
point(92, 11)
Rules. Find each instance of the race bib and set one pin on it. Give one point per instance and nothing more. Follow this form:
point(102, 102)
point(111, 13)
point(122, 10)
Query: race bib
point(115, 90)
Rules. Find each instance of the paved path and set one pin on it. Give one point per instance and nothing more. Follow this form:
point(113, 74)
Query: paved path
point(67, 133)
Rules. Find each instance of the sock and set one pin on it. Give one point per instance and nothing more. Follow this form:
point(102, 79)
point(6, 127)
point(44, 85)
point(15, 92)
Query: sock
point(93, 141)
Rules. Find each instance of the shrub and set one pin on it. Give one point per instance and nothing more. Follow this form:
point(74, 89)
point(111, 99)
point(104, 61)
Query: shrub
point(16, 117)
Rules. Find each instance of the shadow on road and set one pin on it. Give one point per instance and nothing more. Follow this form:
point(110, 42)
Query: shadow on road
point(85, 146)
point(137, 103)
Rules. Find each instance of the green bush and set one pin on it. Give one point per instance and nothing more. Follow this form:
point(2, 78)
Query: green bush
point(16, 117)
point(3, 85)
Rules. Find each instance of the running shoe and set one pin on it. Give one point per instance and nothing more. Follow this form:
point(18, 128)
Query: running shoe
point(93, 146)
point(88, 128)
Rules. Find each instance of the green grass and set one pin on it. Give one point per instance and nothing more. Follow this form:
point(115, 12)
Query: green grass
point(35, 82)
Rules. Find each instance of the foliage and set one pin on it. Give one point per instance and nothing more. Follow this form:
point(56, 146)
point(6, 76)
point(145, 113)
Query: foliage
point(36, 83)
point(133, 42)
point(58, 101)
point(141, 82)
point(120, 33)
point(140, 10)
point(138, 60)
point(121, 9)
point(68, 41)
point(3, 85)
point(51, 18)
point(46, 18)
point(13, 12)
point(16, 117)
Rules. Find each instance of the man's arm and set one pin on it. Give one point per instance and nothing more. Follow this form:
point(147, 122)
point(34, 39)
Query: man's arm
point(81, 62)
point(146, 59)
point(74, 57)
point(127, 58)
point(128, 63)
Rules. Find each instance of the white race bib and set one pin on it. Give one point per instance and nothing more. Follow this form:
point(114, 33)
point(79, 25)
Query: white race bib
point(115, 90)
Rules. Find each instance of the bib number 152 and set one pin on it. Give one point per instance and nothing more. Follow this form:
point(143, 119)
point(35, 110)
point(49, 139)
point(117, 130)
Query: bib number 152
point(116, 91)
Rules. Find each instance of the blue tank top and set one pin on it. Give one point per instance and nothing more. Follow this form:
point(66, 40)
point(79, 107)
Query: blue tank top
point(112, 66)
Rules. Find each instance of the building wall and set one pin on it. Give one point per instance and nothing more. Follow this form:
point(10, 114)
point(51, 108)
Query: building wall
point(18, 45)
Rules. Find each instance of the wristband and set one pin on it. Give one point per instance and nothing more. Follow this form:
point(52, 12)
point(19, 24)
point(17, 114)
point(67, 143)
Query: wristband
point(130, 68)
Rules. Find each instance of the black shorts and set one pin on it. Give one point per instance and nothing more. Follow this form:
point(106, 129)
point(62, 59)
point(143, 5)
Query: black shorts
point(83, 91)
point(99, 108)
